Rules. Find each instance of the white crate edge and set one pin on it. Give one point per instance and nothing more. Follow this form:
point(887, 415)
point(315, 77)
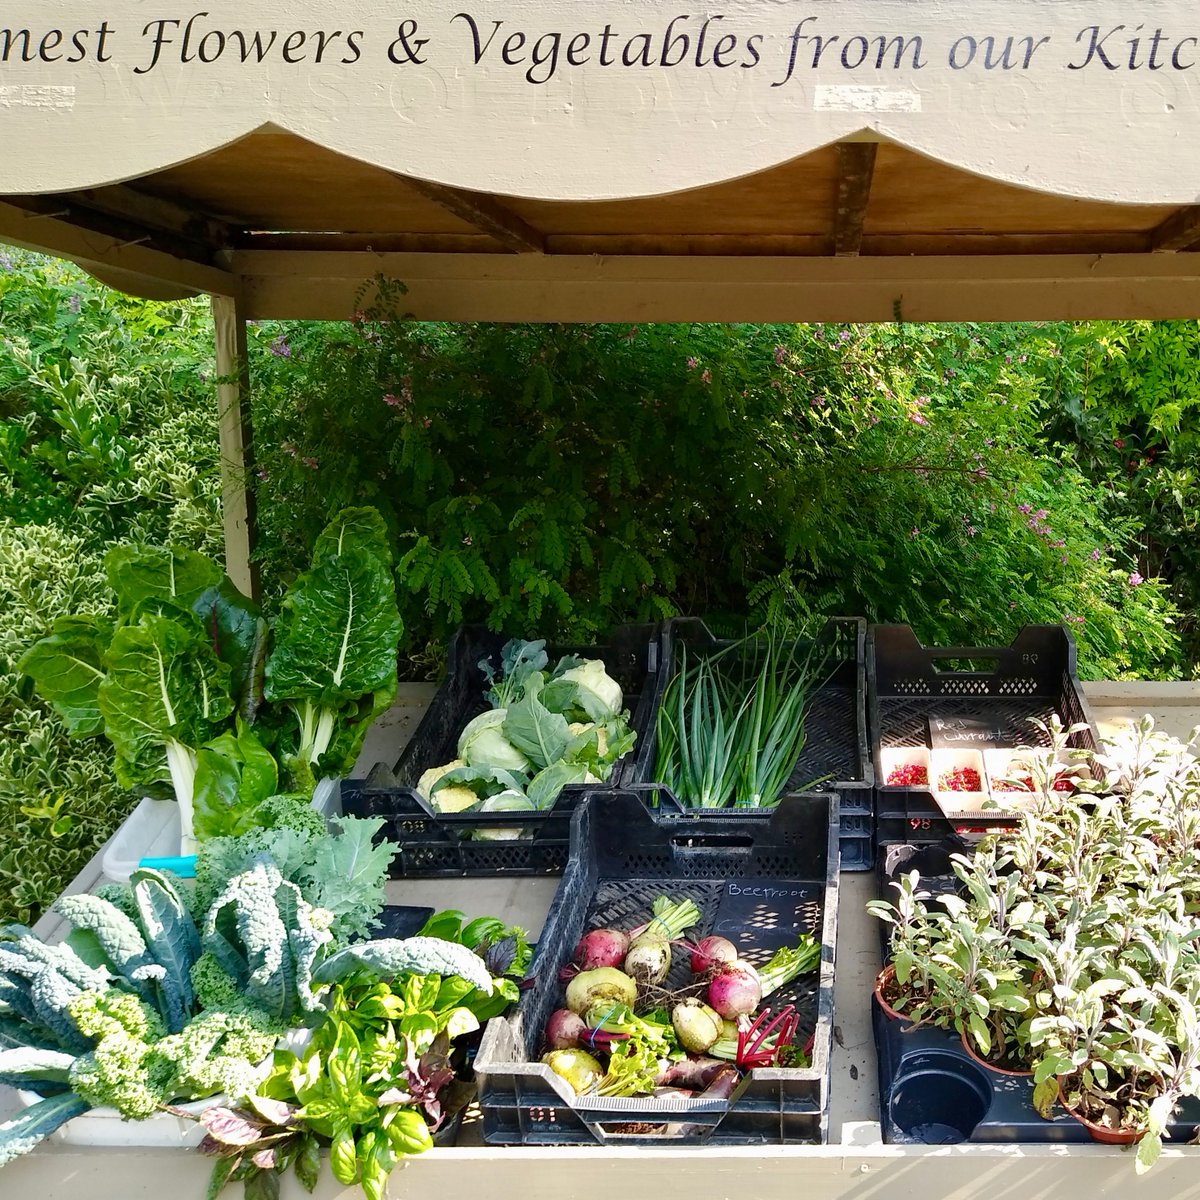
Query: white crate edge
point(106, 1126)
point(152, 831)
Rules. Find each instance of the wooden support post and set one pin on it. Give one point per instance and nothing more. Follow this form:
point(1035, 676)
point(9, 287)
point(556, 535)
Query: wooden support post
point(856, 170)
point(233, 414)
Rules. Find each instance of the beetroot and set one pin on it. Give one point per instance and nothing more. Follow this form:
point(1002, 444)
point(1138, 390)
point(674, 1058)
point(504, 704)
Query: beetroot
point(735, 991)
point(565, 1030)
point(712, 952)
point(601, 948)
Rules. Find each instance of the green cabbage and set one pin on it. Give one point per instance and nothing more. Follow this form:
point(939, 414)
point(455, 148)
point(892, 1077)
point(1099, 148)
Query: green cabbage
point(482, 743)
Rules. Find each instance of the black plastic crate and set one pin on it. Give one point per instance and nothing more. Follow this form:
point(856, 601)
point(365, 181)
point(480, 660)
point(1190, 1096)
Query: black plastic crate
point(622, 858)
point(930, 1089)
point(836, 755)
point(443, 844)
point(1002, 688)
point(856, 826)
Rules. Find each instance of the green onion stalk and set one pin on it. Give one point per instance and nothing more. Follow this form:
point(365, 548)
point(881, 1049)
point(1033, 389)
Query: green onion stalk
point(731, 726)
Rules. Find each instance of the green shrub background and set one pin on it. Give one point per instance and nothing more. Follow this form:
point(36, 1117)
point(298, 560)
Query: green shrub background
point(560, 479)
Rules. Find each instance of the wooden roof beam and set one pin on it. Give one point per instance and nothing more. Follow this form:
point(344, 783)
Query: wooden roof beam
point(1178, 232)
point(856, 171)
point(115, 215)
point(485, 214)
point(134, 259)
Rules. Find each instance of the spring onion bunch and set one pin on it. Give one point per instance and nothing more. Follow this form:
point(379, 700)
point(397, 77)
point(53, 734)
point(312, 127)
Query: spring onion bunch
point(731, 725)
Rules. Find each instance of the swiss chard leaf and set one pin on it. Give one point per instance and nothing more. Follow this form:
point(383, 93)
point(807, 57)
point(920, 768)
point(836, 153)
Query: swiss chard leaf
point(363, 528)
point(234, 775)
point(163, 682)
point(154, 578)
point(235, 629)
point(67, 668)
point(354, 720)
point(337, 635)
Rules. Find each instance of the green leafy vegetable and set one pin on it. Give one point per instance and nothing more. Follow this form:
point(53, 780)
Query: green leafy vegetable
point(235, 774)
point(67, 668)
point(164, 694)
point(336, 639)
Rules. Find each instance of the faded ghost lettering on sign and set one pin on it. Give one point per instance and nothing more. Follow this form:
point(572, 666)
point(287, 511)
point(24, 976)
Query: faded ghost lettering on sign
point(610, 99)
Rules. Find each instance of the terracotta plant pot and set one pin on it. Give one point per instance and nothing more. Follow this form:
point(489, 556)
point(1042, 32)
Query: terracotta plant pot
point(969, 1047)
point(1100, 1133)
point(887, 975)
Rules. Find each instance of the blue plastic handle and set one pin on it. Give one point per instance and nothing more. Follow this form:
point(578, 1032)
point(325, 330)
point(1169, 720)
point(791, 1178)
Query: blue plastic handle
point(183, 865)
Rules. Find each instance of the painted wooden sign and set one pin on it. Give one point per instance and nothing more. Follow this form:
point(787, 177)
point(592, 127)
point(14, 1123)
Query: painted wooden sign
point(584, 99)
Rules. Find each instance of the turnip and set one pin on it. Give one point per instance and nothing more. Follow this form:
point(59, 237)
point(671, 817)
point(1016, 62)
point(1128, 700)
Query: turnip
point(736, 990)
point(712, 952)
point(580, 1070)
point(649, 959)
point(565, 1030)
point(696, 1025)
point(601, 948)
point(605, 984)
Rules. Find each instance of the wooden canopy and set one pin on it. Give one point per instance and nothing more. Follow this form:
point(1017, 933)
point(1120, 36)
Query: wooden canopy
point(554, 160)
point(859, 230)
point(560, 160)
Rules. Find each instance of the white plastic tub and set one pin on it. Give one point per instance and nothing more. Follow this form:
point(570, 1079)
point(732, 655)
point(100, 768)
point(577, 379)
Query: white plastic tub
point(152, 831)
point(106, 1126)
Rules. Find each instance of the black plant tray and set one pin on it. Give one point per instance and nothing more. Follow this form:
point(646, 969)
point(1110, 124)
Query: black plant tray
point(445, 844)
point(621, 859)
point(836, 754)
point(1001, 687)
point(930, 1089)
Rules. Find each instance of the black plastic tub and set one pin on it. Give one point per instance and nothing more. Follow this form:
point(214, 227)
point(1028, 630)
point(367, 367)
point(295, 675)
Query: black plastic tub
point(836, 754)
point(995, 692)
point(931, 1091)
point(759, 882)
point(449, 844)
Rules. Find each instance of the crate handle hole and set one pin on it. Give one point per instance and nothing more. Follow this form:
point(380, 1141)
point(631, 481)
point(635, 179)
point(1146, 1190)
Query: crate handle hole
point(958, 666)
point(713, 841)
